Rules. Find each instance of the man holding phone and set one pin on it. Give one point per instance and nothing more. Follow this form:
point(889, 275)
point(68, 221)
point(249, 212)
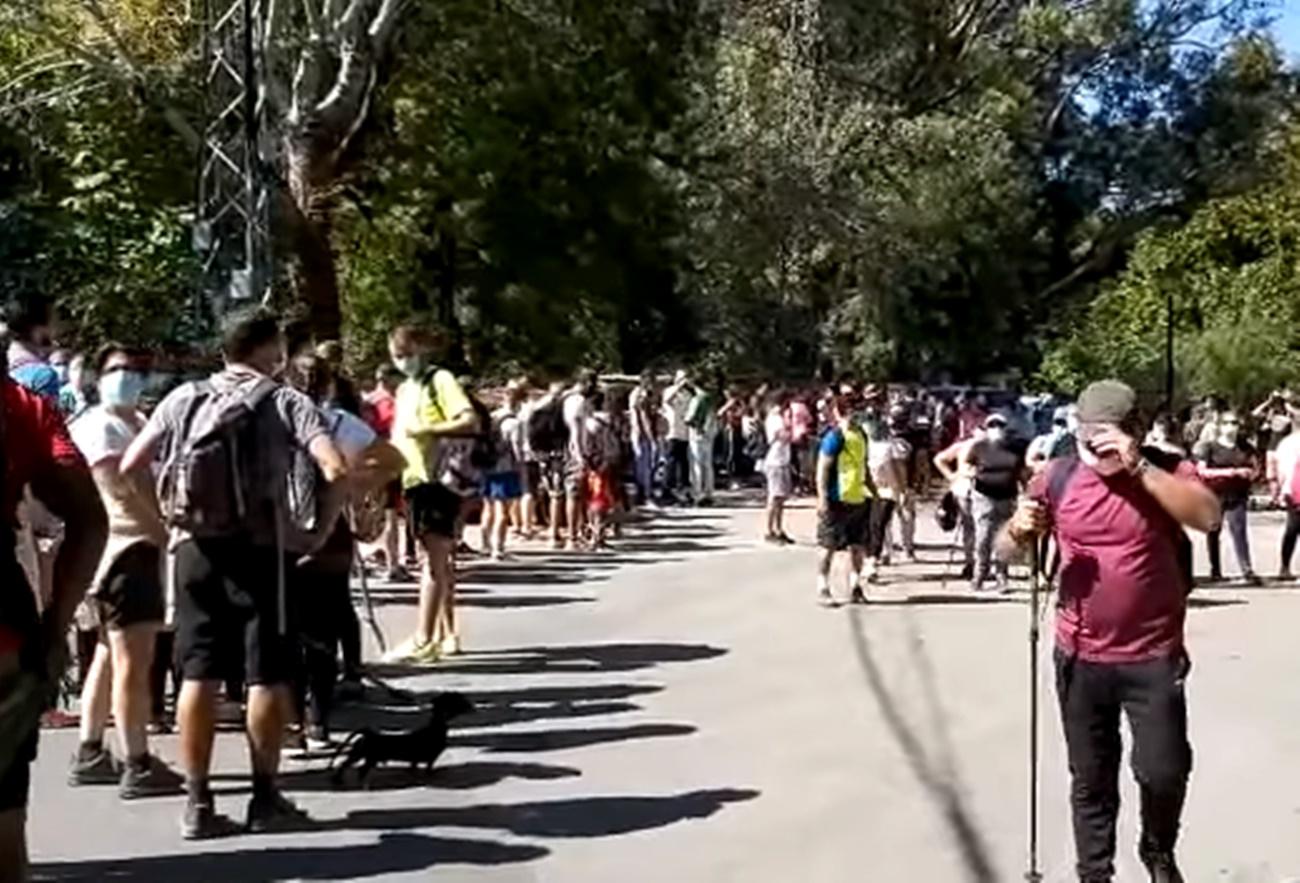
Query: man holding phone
point(1118, 513)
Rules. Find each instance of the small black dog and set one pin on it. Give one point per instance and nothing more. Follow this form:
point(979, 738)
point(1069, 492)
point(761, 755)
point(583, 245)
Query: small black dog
point(420, 746)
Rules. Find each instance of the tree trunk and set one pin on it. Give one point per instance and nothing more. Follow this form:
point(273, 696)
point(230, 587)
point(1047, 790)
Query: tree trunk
point(305, 233)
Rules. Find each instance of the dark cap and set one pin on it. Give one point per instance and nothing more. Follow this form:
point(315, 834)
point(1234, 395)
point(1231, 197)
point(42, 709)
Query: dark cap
point(1107, 401)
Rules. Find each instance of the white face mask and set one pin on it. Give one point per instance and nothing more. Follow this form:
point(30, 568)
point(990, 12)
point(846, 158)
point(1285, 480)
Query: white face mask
point(121, 389)
point(996, 434)
point(1103, 466)
point(1229, 435)
point(410, 366)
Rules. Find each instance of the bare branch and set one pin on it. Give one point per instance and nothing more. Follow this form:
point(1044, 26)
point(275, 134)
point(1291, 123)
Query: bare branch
point(352, 17)
point(385, 24)
point(33, 73)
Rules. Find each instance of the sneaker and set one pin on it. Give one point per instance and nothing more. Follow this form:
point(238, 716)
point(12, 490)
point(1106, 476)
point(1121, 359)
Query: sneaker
point(911, 556)
point(772, 539)
point(1162, 868)
point(100, 769)
point(318, 738)
point(967, 571)
point(787, 540)
point(399, 574)
point(705, 503)
point(160, 727)
point(826, 599)
point(410, 651)
point(295, 743)
point(858, 596)
point(201, 821)
point(1284, 576)
point(1250, 579)
point(449, 646)
point(149, 777)
point(274, 814)
point(1216, 576)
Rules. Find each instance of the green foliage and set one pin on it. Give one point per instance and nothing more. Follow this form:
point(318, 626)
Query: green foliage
point(1233, 277)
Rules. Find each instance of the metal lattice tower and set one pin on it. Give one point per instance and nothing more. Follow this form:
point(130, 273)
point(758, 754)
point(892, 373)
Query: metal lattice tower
point(232, 231)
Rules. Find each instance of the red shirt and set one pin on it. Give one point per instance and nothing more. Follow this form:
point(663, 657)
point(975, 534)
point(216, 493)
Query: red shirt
point(35, 438)
point(381, 407)
point(1122, 596)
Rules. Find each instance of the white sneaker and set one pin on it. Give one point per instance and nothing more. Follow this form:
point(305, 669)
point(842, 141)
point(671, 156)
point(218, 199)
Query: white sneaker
point(412, 650)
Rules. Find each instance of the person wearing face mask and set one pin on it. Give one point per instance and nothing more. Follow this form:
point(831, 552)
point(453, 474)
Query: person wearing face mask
point(997, 468)
point(127, 592)
point(1118, 513)
point(1229, 465)
point(432, 407)
point(236, 436)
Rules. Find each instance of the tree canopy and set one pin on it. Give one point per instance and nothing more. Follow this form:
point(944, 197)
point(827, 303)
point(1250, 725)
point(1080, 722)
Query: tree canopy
point(905, 188)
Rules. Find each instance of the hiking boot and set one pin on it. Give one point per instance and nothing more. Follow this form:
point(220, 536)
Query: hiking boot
point(274, 813)
point(98, 768)
point(1162, 867)
point(148, 777)
point(201, 821)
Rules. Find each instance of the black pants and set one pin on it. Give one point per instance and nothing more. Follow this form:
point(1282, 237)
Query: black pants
point(323, 611)
point(881, 511)
point(679, 465)
point(1234, 515)
point(350, 638)
point(1150, 694)
point(1292, 533)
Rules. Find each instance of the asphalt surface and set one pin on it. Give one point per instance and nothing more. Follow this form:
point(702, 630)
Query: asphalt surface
point(679, 709)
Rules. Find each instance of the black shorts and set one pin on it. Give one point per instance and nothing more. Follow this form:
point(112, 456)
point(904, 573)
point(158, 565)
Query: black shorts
point(228, 612)
point(133, 592)
point(843, 525)
point(532, 478)
point(434, 510)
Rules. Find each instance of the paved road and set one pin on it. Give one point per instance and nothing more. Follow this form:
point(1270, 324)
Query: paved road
point(681, 710)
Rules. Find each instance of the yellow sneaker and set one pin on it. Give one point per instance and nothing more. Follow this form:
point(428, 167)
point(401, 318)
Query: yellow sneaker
point(450, 645)
point(426, 654)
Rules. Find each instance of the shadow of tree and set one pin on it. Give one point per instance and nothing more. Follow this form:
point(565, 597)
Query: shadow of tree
point(935, 769)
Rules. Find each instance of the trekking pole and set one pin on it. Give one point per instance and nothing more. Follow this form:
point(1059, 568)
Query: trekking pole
point(370, 605)
point(1032, 875)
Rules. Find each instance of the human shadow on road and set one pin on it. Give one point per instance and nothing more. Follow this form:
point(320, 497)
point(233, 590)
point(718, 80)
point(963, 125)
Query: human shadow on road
point(455, 776)
point(577, 817)
point(922, 600)
point(507, 601)
point(532, 741)
point(578, 658)
point(935, 768)
point(394, 854)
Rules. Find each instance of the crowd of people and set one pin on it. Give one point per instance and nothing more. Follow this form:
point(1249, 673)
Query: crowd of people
point(214, 532)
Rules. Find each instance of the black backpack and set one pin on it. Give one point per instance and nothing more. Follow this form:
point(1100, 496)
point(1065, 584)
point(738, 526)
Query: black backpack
point(486, 450)
point(547, 432)
point(214, 477)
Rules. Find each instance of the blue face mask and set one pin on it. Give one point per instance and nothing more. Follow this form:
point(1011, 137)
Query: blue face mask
point(121, 389)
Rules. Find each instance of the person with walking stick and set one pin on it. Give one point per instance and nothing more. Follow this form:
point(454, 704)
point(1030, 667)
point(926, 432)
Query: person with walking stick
point(1118, 513)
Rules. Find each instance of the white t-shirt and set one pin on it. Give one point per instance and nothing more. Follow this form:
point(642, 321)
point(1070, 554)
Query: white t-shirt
point(778, 439)
point(881, 457)
point(676, 406)
point(576, 411)
point(1287, 457)
point(101, 435)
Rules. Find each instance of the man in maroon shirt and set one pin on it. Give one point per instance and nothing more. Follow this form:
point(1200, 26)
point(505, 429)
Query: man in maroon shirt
point(36, 451)
point(1118, 514)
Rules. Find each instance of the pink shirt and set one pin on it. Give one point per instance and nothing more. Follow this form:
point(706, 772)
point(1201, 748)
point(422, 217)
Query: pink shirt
point(1123, 596)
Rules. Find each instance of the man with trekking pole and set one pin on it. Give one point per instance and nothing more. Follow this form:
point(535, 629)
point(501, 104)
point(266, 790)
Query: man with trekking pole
point(1118, 513)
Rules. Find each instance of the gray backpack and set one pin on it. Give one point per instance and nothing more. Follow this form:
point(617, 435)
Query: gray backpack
point(216, 474)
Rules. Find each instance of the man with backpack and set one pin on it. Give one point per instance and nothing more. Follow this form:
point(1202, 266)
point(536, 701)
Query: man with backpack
point(434, 416)
point(1118, 514)
point(37, 453)
point(229, 445)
